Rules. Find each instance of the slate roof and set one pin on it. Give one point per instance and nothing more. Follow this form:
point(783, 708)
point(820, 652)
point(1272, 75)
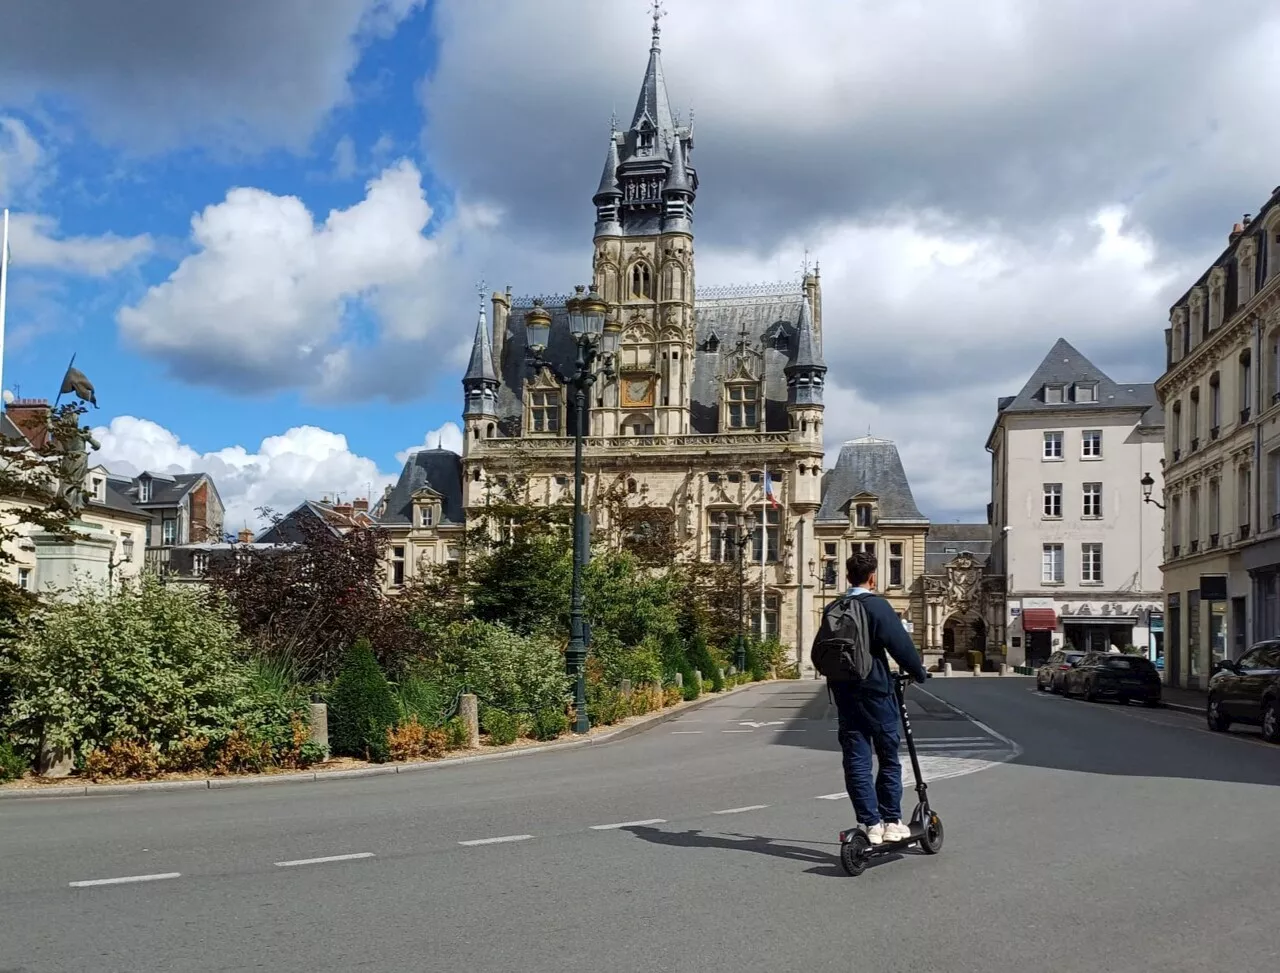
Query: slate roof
point(118, 498)
point(945, 542)
point(869, 466)
point(289, 531)
point(1064, 365)
point(439, 469)
point(167, 489)
point(768, 313)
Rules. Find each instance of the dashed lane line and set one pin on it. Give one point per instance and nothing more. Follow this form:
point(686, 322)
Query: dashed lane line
point(740, 810)
point(627, 824)
point(503, 840)
point(325, 860)
point(125, 880)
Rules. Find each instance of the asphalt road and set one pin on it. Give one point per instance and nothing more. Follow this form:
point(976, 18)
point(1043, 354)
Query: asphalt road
point(1079, 837)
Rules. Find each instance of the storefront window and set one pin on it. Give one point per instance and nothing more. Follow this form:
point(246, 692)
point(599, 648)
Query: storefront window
point(1217, 631)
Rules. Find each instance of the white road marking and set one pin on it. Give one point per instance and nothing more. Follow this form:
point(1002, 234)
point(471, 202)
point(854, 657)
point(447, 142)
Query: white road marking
point(976, 722)
point(739, 810)
point(627, 824)
point(327, 858)
point(831, 797)
point(505, 839)
point(125, 880)
point(757, 726)
point(684, 732)
point(737, 731)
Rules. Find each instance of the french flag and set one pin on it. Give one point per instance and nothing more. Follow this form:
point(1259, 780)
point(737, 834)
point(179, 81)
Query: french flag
point(768, 490)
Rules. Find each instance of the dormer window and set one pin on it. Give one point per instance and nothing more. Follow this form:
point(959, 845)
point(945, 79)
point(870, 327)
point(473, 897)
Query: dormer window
point(713, 343)
point(99, 487)
point(544, 412)
point(1086, 391)
point(144, 490)
point(862, 513)
point(1054, 394)
point(427, 516)
point(781, 341)
point(743, 405)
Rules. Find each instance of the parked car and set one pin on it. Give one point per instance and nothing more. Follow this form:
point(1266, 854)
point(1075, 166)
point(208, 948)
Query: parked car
point(1111, 675)
point(1247, 691)
point(1049, 676)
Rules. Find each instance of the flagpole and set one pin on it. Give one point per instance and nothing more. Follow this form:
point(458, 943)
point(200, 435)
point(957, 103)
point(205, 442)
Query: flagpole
point(4, 290)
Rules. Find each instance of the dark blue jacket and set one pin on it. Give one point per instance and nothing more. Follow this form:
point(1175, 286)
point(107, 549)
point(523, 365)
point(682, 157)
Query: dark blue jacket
point(886, 635)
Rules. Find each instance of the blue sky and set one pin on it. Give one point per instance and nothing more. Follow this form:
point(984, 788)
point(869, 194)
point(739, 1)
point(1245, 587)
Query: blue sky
point(260, 226)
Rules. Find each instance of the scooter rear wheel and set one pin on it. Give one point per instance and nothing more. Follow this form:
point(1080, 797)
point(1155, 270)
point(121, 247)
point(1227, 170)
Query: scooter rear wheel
point(853, 854)
point(931, 840)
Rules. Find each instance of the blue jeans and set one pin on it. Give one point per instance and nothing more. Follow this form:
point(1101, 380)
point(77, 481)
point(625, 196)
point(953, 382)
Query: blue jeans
point(869, 723)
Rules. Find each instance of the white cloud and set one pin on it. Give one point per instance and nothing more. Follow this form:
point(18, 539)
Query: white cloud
point(344, 158)
point(448, 436)
point(269, 298)
point(303, 463)
point(20, 158)
point(34, 242)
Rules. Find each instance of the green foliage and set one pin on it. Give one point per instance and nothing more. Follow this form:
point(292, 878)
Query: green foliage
point(513, 672)
point(456, 733)
point(12, 766)
point(549, 723)
point(757, 664)
point(420, 697)
point(151, 663)
point(502, 727)
point(362, 707)
point(690, 689)
point(701, 659)
point(605, 704)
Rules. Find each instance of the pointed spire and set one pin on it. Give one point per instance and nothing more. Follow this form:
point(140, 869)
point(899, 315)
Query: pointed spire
point(480, 368)
point(807, 356)
point(678, 180)
point(653, 102)
point(609, 177)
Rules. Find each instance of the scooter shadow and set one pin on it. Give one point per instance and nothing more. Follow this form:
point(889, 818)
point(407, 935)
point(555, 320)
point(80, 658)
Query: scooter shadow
point(824, 862)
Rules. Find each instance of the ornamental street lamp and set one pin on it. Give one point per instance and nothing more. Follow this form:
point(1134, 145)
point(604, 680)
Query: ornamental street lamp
point(1147, 484)
point(596, 342)
point(746, 529)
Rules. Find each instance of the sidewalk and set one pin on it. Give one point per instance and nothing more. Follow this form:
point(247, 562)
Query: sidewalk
point(1189, 700)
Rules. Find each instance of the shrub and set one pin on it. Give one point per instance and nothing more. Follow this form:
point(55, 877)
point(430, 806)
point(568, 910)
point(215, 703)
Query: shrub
point(122, 758)
point(455, 732)
point(507, 671)
point(12, 766)
point(701, 659)
point(606, 705)
point(549, 723)
point(412, 740)
point(362, 707)
point(150, 663)
point(422, 699)
point(501, 726)
point(242, 752)
point(187, 754)
point(672, 695)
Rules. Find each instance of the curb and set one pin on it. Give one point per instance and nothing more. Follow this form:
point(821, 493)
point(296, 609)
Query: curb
point(645, 722)
point(1184, 707)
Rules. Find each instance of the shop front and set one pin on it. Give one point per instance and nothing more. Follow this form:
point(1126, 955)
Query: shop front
point(1100, 626)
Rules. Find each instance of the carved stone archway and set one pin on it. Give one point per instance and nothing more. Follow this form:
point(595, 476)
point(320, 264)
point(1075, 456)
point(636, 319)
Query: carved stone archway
point(962, 606)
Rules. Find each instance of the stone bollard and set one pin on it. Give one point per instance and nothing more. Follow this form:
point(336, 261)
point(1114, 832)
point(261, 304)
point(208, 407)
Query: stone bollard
point(319, 734)
point(625, 687)
point(469, 712)
point(946, 668)
point(722, 675)
point(977, 670)
point(54, 762)
point(680, 680)
point(1005, 670)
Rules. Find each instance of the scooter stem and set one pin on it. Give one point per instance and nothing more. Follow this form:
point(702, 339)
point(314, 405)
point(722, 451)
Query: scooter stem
point(900, 688)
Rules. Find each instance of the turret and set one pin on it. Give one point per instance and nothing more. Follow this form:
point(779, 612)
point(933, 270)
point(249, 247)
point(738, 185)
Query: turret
point(806, 376)
point(609, 196)
point(480, 387)
point(677, 194)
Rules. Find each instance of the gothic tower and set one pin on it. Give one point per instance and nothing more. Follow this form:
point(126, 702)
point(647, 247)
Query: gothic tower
point(480, 390)
point(643, 264)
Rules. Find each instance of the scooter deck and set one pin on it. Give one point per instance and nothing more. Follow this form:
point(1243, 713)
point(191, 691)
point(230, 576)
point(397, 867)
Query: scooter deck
point(917, 832)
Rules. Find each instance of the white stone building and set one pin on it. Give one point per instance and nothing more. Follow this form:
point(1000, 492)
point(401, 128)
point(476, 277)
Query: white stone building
point(1079, 549)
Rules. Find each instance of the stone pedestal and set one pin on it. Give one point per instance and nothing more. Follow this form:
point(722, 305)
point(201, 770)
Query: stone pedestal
point(79, 558)
point(319, 728)
point(469, 711)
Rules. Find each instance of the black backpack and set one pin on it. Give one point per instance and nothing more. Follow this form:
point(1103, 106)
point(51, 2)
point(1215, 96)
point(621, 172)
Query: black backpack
point(842, 648)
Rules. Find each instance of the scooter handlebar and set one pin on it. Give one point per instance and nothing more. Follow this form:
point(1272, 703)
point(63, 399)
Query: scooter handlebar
point(906, 678)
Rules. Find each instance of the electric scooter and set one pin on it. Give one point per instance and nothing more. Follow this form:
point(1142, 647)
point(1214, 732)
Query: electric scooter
point(856, 851)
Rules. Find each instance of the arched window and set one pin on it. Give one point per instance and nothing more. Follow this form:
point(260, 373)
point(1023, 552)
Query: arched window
point(641, 281)
point(631, 486)
point(490, 431)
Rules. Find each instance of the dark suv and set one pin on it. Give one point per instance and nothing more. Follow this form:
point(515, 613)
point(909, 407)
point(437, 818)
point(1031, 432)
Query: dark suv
point(1112, 675)
point(1248, 691)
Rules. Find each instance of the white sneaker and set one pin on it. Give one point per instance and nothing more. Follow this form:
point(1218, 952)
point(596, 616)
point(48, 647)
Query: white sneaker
point(896, 831)
point(874, 833)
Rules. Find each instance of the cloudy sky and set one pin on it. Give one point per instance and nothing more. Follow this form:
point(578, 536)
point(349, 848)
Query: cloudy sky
point(260, 225)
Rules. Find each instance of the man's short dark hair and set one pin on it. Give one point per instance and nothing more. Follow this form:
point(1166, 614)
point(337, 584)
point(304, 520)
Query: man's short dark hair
point(860, 566)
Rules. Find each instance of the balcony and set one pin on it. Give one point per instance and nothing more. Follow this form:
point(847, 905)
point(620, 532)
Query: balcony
point(1213, 541)
point(1194, 546)
point(1195, 444)
point(1213, 433)
point(1244, 531)
point(1244, 415)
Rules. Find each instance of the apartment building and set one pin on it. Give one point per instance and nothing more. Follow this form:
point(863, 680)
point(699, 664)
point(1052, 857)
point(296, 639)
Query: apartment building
point(1221, 391)
point(1079, 550)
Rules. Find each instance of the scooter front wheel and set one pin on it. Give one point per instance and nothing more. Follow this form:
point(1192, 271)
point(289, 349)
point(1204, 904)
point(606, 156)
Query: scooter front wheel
point(853, 854)
point(931, 840)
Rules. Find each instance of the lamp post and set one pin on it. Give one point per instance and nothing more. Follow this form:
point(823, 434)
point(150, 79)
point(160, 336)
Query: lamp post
point(1147, 484)
point(820, 577)
point(596, 344)
point(746, 531)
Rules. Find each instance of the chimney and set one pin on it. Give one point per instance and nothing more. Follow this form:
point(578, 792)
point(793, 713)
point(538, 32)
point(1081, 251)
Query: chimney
point(1234, 235)
point(343, 509)
point(31, 416)
point(361, 505)
point(245, 536)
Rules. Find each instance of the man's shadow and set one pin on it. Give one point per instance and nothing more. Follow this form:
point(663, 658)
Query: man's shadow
point(825, 863)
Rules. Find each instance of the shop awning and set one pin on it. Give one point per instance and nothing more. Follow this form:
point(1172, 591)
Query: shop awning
point(1039, 619)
